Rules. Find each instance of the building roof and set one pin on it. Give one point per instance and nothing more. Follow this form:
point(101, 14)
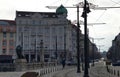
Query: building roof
point(7, 22)
point(29, 14)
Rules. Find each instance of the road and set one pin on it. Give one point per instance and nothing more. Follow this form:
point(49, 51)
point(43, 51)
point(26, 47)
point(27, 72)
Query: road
point(99, 70)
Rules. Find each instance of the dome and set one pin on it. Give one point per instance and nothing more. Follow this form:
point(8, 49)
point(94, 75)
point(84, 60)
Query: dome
point(61, 10)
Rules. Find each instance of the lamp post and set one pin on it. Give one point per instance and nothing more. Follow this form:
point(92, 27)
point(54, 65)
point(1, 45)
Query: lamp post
point(78, 44)
point(84, 15)
point(36, 52)
point(93, 52)
point(56, 50)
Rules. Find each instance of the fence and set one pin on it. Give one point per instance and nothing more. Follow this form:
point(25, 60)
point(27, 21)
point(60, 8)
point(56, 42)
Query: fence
point(114, 71)
point(41, 72)
point(24, 66)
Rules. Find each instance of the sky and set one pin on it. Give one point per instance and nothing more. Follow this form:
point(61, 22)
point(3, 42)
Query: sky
point(107, 31)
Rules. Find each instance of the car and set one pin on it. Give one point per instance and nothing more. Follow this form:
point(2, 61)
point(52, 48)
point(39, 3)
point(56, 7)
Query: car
point(70, 63)
point(116, 63)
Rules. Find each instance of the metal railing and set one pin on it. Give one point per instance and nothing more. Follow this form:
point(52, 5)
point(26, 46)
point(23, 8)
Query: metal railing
point(4, 67)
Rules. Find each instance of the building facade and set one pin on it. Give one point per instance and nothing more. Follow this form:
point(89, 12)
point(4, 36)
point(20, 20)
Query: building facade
point(45, 35)
point(7, 37)
point(7, 40)
point(114, 51)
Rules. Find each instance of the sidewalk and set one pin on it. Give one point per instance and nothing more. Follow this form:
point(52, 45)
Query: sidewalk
point(74, 73)
point(71, 72)
point(98, 70)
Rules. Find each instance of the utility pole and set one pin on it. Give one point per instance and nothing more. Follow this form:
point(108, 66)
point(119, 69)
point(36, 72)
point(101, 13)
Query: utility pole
point(65, 52)
point(84, 15)
point(36, 55)
point(56, 51)
point(78, 42)
point(93, 53)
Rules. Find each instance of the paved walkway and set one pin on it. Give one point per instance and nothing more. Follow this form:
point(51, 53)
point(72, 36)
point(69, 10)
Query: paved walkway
point(98, 70)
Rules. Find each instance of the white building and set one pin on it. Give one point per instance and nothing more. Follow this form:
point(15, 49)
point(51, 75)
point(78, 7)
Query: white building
point(53, 29)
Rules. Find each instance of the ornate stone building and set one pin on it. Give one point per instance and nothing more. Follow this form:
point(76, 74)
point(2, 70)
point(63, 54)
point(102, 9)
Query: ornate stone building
point(52, 29)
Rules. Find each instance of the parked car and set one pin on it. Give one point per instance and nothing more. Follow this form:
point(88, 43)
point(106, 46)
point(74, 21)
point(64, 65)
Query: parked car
point(116, 63)
point(71, 63)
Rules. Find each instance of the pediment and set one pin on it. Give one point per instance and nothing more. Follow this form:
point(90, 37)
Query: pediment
point(37, 16)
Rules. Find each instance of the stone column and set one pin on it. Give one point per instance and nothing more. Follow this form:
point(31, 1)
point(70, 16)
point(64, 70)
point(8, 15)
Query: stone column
point(41, 52)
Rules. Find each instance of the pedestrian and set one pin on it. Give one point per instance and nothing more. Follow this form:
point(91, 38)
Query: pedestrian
point(63, 63)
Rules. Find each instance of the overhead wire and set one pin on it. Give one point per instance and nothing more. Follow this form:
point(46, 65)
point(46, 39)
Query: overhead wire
point(115, 2)
point(105, 10)
point(55, 2)
point(66, 2)
point(93, 29)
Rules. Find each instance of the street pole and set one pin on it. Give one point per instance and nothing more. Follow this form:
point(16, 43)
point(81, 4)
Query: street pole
point(36, 55)
point(93, 53)
point(56, 52)
point(65, 54)
point(85, 40)
point(78, 42)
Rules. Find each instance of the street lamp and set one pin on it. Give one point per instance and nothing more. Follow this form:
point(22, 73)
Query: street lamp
point(56, 49)
point(78, 44)
point(84, 15)
point(36, 53)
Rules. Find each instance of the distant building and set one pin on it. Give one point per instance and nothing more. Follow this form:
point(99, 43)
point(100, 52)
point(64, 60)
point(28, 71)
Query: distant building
point(114, 51)
point(7, 37)
point(53, 29)
point(7, 40)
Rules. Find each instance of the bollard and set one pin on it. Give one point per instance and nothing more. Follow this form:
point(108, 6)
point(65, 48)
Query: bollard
point(111, 71)
point(40, 72)
point(114, 72)
point(51, 70)
point(48, 70)
point(118, 73)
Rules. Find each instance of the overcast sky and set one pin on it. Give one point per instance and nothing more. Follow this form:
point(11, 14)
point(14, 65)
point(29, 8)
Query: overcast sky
point(107, 31)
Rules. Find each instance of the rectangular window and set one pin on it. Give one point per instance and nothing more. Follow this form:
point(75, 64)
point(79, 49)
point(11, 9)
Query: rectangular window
point(4, 43)
point(53, 30)
point(11, 51)
point(11, 34)
point(4, 34)
point(19, 22)
point(11, 43)
point(33, 22)
point(4, 51)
